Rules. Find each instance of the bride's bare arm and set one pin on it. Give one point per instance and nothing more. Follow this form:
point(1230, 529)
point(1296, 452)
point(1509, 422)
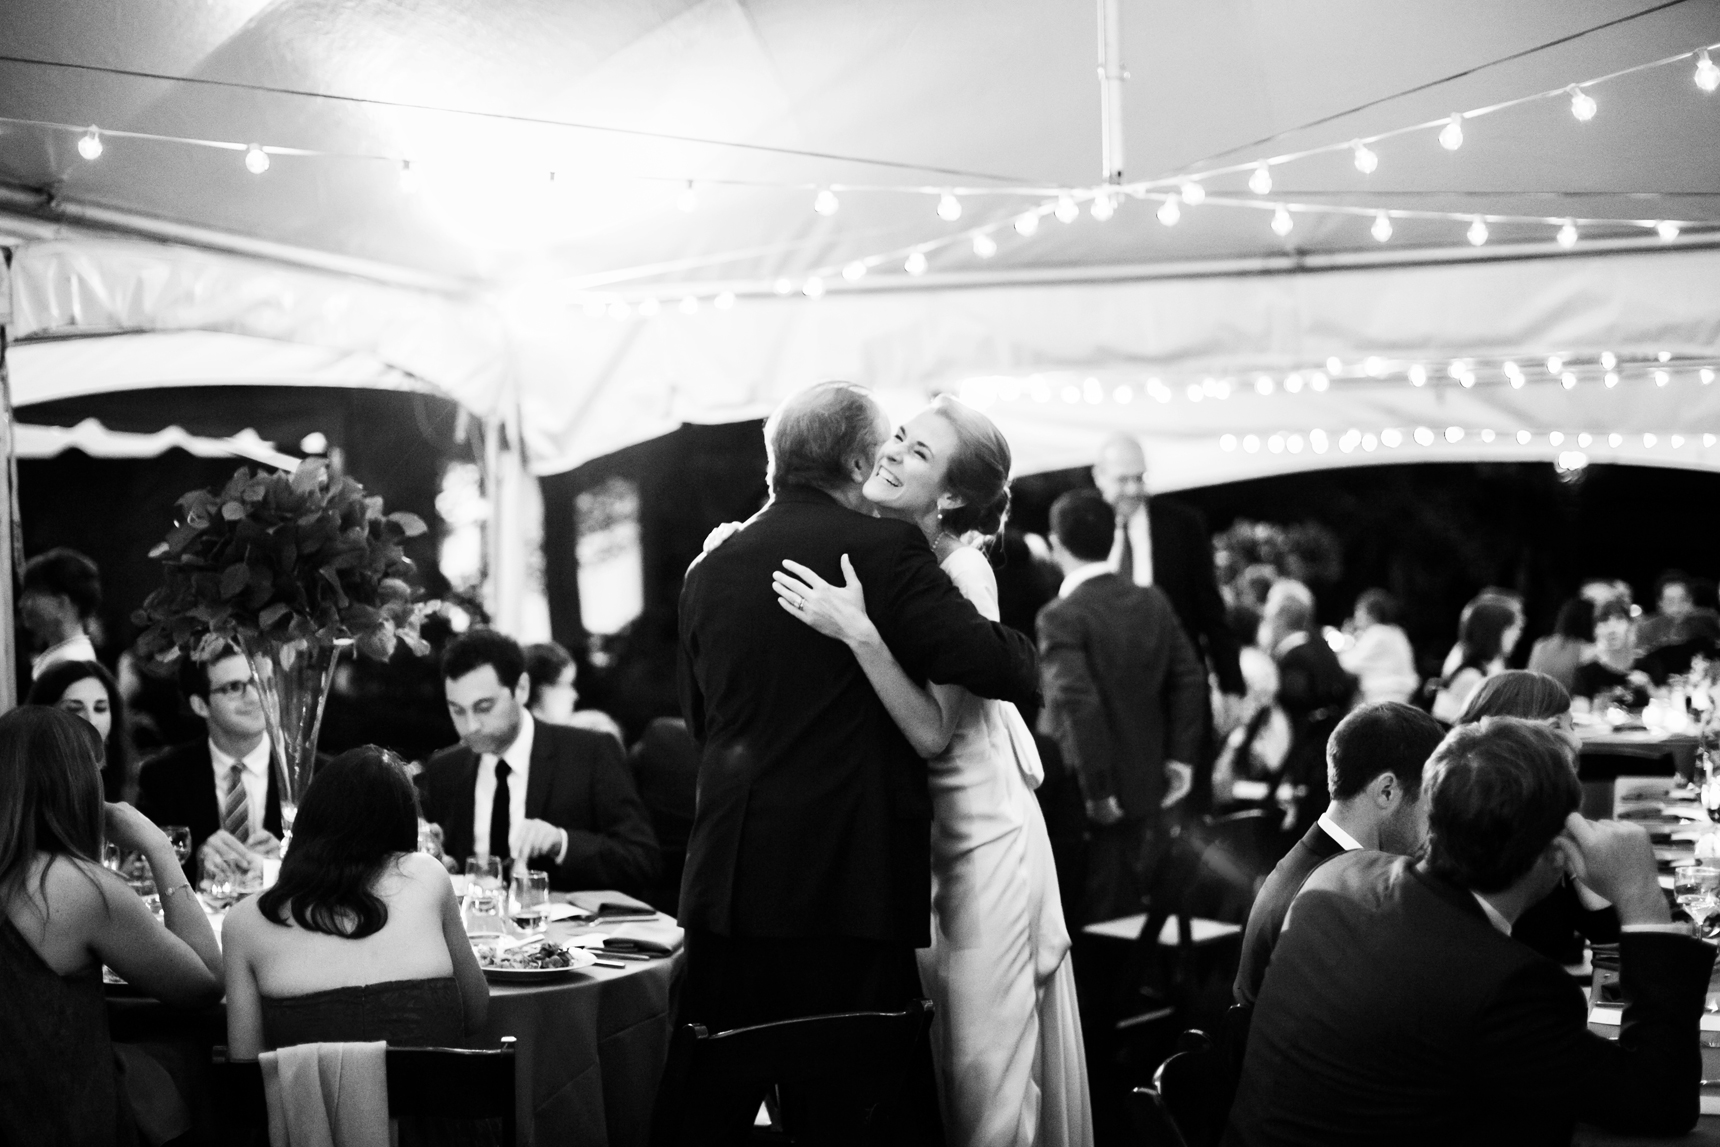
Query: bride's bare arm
point(926, 716)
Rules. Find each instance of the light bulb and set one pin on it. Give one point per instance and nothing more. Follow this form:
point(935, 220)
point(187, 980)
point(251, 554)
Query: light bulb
point(1067, 209)
point(916, 263)
point(1382, 228)
point(1555, 364)
point(1706, 374)
point(783, 286)
point(1611, 379)
point(1334, 365)
point(690, 305)
point(1568, 235)
point(1582, 104)
point(1193, 193)
point(1523, 437)
point(1477, 233)
point(1261, 181)
point(1667, 230)
point(1569, 380)
point(1661, 378)
point(854, 271)
point(1707, 73)
point(813, 288)
point(1169, 212)
point(595, 308)
point(1102, 208)
point(826, 203)
point(1664, 356)
point(409, 179)
point(724, 301)
point(1418, 375)
point(949, 207)
point(984, 245)
point(1451, 135)
point(1026, 225)
point(1608, 360)
point(1281, 222)
point(688, 200)
point(256, 160)
point(90, 145)
point(649, 306)
point(1366, 160)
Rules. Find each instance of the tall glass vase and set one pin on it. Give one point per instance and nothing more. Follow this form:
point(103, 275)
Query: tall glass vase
point(293, 679)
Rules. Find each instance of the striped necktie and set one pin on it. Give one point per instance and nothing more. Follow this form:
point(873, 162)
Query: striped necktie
point(236, 809)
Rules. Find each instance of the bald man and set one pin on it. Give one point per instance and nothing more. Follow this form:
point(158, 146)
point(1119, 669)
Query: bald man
point(1166, 544)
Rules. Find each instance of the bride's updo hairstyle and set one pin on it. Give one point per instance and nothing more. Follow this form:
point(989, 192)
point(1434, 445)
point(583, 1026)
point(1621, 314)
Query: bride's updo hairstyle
point(977, 473)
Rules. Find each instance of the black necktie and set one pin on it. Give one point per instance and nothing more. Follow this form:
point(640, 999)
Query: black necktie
point(500, 815)
point(1126, 555)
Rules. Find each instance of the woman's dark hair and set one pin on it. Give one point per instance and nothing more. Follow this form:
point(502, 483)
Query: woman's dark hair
point(50, 791)
point(1576, 620)
point(977, 473)
point(118, 764)
point(358, 814)
point(1613, 609)
point(1498, 793)
point(1379, 605)
point(1517, 693)
point(1482, 632)
point(545, 663)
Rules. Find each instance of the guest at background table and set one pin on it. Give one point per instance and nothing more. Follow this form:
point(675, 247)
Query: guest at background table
point(665, 763)
point(1374, 763)
point(517, 788)
point(553, 691)
point(1556, 926)
point(1487, 632)
point(85, 689)
point(1397, 1009)
point(221, 786)
point(64, 917)
point(1667, 641)
point(62, 590)
point(1570, 644)
point(1381, 659)
point(1313, 691)
point(361, 938)
point(1613, 673)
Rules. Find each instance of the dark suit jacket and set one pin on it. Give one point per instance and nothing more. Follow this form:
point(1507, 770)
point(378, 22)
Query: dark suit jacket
point(177, 786)
point(1315, 692)
point(1266, 918)
point(1182, 567)
point(814, 815)
point(578, 781)
point(1393, 1012)
point(1124, 690)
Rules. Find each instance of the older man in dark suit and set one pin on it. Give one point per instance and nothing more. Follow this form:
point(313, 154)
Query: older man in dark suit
point(1125, 697)
point(550, 796)
point(1398, 1009)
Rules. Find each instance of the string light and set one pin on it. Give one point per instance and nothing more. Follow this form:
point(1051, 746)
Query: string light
point(814, 288)
point(1418, 375)
point(854, 271)
point(1610, 378)
point(1264, 384)
point(783, 287)
point(1568, 235)
point(1707, 73)
point(1649, 440)
point(1514, 373)
point(724, 301)
point(1193, 192)
point(1169, 212)
point(949, 207)
point(1026, 225)
point(1667, 230)
point(1706, 375)
point(1661, 378)
point(1582, 104)
point(1334, 365)
point(1102, 208)
point(1382, 228)
point(1366, 161)
point(1615, 440)
point(1524, 437)
point(1608, 360)
point(1569, 379)
point(826, 203)
point(984, 245)
point(688, 200)
point(1318, 382)
point(1281, 222)
point(1555, 364)
point(1477, 233)
point(1392, 437)
point(689, 305)
point(1663, 356)
point(1451, 135)
point(256, 160)
point(649, 306)
point(90, 144)
point(1067, 209)
point(916, 263)
point(1261, 181)
point(1293, 383)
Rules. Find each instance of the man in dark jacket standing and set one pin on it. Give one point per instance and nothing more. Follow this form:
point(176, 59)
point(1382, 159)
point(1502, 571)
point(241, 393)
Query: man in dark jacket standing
point(1125, 697)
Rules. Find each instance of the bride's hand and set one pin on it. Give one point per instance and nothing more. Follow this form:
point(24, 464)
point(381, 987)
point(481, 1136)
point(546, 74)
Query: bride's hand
point(837, 611)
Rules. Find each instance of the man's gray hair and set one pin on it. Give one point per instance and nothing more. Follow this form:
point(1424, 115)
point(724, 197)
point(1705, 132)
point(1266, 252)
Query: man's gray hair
point(813, 438)
point(1290, 606)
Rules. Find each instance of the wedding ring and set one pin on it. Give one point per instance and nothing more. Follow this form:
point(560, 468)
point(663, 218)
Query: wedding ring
point(800, 603)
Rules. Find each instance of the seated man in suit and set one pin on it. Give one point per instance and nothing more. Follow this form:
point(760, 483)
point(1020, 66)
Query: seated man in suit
point(1373, 773)
point(556, 797)
point(1398, 1009)
point(221, 788)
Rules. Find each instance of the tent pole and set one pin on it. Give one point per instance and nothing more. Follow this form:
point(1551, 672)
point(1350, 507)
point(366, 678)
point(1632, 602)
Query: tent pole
point(11, 541)
point(1111, 77)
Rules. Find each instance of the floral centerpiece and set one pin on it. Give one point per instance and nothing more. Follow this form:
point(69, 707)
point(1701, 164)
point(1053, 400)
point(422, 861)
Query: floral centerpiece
point(287, 568)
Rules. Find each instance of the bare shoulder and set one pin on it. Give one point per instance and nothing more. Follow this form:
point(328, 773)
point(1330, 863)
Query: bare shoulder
point(82, 890)
point(422, 868)
point(241, 924)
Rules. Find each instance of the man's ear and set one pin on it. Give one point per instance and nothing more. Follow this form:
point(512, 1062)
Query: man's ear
point(1386, 789)
point(199, 706)
point(523, 689)
point(859, 469)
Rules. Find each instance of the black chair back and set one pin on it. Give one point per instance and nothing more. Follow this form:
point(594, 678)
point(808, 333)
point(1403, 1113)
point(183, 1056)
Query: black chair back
point(1196, 1086)
point(423, 1082)
point(713, 1082)
point(1152, 1121)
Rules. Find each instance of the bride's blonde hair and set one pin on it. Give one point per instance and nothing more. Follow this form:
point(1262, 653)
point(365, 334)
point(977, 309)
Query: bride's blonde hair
point(978, 471)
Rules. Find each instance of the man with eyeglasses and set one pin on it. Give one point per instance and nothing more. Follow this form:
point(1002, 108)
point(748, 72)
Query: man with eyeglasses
point(222, 787)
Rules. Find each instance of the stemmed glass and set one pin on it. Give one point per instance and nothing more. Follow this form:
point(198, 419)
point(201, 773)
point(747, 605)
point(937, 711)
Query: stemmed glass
point(1696, 888)
point(180, 838)
point(486, 894)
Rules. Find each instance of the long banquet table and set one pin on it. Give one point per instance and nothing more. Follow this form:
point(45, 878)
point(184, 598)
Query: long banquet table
point(590, 1052)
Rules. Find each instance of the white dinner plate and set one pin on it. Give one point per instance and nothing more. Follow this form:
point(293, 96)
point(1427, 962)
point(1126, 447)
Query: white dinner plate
point(579, 958)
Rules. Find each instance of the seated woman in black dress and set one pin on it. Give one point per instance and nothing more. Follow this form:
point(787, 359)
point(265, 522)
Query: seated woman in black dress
point(361, 938)
point(1614, 672)
point(1557, 926)
point(62, 916)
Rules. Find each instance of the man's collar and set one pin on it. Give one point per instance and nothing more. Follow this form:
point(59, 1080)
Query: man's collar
point(1332, 829)
point(256, 762)
point(519, 754)
point(1080, 575)
point(1494, 916)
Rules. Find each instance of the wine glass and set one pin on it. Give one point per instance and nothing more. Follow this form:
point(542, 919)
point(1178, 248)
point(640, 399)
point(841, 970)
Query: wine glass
point(1696, 888)
point(1708, 788)
point(180, 838)
point(531, 897)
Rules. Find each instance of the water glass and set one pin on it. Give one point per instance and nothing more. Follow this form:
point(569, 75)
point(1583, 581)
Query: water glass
point(531, 897)
point(180, 838)
point(486, 895)
point(1696, 888)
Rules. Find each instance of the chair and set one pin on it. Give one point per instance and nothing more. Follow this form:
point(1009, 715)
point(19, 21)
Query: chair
point(433, 1082)
point(1152, 1120)
point(713, 1082)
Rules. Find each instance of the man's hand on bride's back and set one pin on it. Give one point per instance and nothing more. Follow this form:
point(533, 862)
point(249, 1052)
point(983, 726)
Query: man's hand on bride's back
point(837, 611)
point(720, 535)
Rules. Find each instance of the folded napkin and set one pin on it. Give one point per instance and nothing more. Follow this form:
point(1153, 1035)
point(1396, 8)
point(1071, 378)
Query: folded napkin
point(327, 1095)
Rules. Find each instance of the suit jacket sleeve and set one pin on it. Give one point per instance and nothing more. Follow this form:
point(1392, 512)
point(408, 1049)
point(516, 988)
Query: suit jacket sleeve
point(1185, 695)
point(938, 635)
point(621, 853)
point(692, 698)
point(1222, 648)
point(1536, 1055)
point(1074, 713)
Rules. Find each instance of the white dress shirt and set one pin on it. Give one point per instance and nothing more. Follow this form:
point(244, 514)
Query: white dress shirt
point(255, 778)
point(1140, 545)
point(1345, 841)
point(77, 648)
point(519, 758)
point(1082, 574)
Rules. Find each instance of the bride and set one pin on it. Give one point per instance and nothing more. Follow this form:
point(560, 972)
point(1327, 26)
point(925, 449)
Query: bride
point(1006, 1037)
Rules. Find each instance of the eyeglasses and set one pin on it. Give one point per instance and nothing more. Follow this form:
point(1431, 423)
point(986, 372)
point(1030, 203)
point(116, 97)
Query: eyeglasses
point(233, 689)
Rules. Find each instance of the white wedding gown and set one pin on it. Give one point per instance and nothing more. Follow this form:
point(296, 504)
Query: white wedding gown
point(1007, 1036)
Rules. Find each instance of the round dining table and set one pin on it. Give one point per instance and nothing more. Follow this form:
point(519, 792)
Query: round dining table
point(590, 1044)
